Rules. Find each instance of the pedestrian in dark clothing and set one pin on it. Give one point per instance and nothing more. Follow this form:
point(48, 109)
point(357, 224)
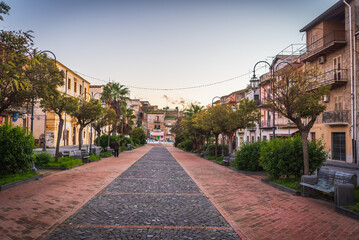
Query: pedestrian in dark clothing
point(116, 145)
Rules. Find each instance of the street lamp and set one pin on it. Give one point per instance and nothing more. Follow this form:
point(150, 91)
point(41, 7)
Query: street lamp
point(214, 98)
point(288, 129)
point(255, 82)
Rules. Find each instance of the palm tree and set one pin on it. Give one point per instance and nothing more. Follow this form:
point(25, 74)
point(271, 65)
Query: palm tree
point(114, 94)
point(128, 120)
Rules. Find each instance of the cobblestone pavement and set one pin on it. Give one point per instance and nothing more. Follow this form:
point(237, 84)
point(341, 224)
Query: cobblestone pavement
point(259, 211)
point(31, 210)
point(153, 199)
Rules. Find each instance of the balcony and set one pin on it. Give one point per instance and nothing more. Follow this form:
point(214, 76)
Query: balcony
point(334, 77)
point(251, 129)
point(329, 43)
point(266, 124)
point(336, 117)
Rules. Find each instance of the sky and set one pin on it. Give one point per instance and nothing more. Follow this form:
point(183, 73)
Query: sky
point(165, 44)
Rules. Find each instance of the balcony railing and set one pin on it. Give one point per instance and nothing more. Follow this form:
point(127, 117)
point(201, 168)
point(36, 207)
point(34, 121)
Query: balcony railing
point(329, 42)
point(336, 117)
point(332, 77)
point(266, 123)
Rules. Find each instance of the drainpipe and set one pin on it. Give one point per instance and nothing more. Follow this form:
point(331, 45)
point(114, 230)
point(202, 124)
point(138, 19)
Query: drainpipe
point(65, 113)
point(352, 95)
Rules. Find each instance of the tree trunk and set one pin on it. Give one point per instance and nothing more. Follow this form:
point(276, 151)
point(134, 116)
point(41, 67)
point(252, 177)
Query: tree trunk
point(216, 136)
point(80, 137)
point(229, 143)
point(108, 137)
point(59, 133)
point(98, 138)
point(304, 135)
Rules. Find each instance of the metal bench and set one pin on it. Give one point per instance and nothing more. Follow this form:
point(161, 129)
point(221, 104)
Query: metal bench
point(84, 156)
point(329, 181)
point(130, 147)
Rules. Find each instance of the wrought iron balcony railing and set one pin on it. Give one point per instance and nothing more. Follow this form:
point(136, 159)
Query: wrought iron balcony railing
point(329, 42)
point(336, 117)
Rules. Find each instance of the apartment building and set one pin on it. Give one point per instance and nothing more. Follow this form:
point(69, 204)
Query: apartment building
point(330, 48)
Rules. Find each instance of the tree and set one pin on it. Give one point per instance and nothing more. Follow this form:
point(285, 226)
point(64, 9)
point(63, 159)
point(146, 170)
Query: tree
point(113, 94)
point(4, 9)
point(107, 118)
point(87, 112)
point(245, 116)
point(298, 96)
point(59, 103)
point(128, 120)
point(219, 119)
point(15, 48)
point(139, 134)
point(25, 75)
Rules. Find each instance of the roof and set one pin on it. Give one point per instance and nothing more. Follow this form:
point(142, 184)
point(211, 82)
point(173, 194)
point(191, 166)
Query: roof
point(68, 69)
point(331, 12)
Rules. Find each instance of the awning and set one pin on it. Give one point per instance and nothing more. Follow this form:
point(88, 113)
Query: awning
point(156, 133)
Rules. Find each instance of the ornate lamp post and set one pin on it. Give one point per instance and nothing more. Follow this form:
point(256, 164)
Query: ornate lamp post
point(255, 82)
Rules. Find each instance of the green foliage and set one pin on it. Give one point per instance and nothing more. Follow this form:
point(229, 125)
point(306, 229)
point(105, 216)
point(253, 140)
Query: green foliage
point(43, 158)
point(16, 149)
point(94, 158)
point(293, 183)
point(128, 141)
point(105, 154)
point(4, 9)
point(186, 145)
point(139, 135)
point(178, 139)
point(211, 150)
point(104, 139)
point(247, 158)
point(65, 162)
point(4, 179)
point(282, 157)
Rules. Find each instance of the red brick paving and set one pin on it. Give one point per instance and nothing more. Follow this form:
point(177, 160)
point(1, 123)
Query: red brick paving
point(259, 211)
point(32, 210)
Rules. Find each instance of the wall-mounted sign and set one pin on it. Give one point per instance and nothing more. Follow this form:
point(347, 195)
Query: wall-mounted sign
point(15, 116)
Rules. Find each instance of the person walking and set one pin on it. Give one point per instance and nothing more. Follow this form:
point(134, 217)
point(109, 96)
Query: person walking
point(116, 145)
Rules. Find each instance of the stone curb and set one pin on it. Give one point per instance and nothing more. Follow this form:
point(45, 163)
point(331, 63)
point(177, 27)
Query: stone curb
point(347, 212)
point(20, 182)
point(51, 168)
point(281, 187)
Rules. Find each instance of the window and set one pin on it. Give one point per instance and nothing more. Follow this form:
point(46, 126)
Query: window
point(69, 84)
point(85, 90)
point(312, 136)
point(264, 138)
point(80, 89)
point(337, 68)
point(247, 139)
point(252, 139)
point(75, 86)
point(338, 103)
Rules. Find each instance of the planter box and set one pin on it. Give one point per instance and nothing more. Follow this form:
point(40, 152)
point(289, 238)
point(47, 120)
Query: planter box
point(347, 212)
point(17, 183)
point(281, 187)
point(51, 168)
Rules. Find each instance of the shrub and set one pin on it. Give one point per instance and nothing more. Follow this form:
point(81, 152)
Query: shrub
point(211, 150)
point(43, 158)
point(105, 154)
point(65, 162)
point(16, 149)
point(247, 158)
point(178, 140)
point(139, 135)
point(187, 145)
point(104, 140)
point(94, 158)
point(282, 157)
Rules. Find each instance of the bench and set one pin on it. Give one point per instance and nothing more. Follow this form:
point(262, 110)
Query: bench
point(226, 160)
point(84, 156)
point(130, 147)
point(329, 181)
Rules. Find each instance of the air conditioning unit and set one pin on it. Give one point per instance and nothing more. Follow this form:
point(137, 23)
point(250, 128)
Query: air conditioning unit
point(326, 99)
point(321, 59)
